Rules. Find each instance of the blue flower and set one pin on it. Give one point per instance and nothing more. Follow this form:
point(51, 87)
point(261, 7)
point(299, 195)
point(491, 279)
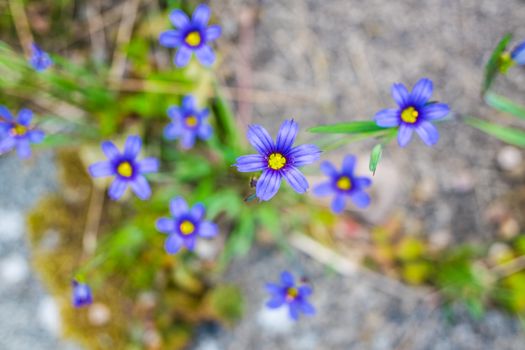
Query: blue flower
point(191, 36)
point(415, 113)
point(277, 159)
point(40, 60)
point(128, 171)
point(344, 184)
point(187, 123)
point(518, 54)
point(81, 294)
point(185, 225)
point(18, 133)
point(287, 293)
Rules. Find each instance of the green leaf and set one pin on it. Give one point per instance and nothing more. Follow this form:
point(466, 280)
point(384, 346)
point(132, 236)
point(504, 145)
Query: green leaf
point(375, 157)
point(509, 135)
point(357, 127)
point(505, 105)
point(492, 67)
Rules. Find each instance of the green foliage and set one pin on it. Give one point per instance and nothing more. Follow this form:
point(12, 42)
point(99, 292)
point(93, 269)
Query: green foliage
point(494, 64)
point(375, 157)
point(505, 105)
point(357, 127)
point(509, 135)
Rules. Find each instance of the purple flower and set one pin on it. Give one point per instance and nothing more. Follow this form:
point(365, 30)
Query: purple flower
point(185, 225)
point(81, 294)
point(126, 169)
point(18, 133)
point(277, 159)
point(344, 184)
point(187, 123)
point(287, 293)
point(191, 36)
point(40, 60)
point(518, 54)
point(415, 113)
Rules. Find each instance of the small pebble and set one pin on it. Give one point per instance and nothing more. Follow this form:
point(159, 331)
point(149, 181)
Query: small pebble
point(509, 158)
point(13, 269)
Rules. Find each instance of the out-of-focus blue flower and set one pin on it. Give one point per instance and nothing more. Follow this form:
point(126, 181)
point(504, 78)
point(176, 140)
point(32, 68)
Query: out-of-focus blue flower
point(277, 159)
point(185, 225)
point(344, 184)
point(187, 123)
point(81, 294)
point(415, 113)
point(18, 133)
point(518, 54)
point(191, 36)
point(128, 171)
point(40, 60)
point(288, 293)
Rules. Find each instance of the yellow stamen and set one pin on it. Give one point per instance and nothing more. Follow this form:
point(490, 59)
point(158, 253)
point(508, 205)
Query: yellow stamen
point(193, 38)
point(186, 227)
point(344, 183)
point(409, 115)
point(125, 169)
point(191, 121)
point(292, 293)
point(276, 161)
point(19, 130)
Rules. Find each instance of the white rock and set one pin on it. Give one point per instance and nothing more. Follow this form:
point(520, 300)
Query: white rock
point(13, 269)
point(509, 158)
point(275, 320)
point(12, 226)
point(99, 314)
point(49, 316)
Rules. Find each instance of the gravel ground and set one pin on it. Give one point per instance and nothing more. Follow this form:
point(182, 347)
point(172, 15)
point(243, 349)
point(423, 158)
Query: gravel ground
point(29, 316)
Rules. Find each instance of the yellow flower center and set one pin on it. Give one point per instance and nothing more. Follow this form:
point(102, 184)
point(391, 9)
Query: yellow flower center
point(191, 121)
point(344, 183)
point(19, 130)
point(292, 293)
point(409, 115)
point(125, 169)
point(186, 227)
point(193, 38)
point(276, 161)
point(506, 62)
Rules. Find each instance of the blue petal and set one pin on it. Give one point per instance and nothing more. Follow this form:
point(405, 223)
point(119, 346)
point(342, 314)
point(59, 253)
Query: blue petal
point(304, 155)
point(324, 189)
point(110, 150)
point(23, 149)
point(201, 15)
point(170, 38)
point(293, 309)
point(249, 163)
point(213, 32)
point(141, 187)
point(338, 204)
point(5, 113)
point(183, 56)
point(132, 146)
point(518, 54)
point(328, 169)
point(428, 133)
point(421, 92)
point(296, 179)
point(205, 55)
point(35, 136)
point(208, 229)
point(198, 211)
point(287, 279)
point(188, 104)
point(349, 164)
point(286, 135)
point(165, 225)
point(404, 135)
point(188, 139)
point(387, 118)
point(205, 131)
point(189, 242)
point(400, 95)
point(7, 144)
point(435, 111)
point(307, 308)
point(268, 185)
point(260, 139)
point(100, 169)
point(361, 199)
point(117, 189)
point(362, 182)
point(172, 131)
point(273, 288)
point(305, 291)
point(173, 244)
point(174, 112)
point(178, 207)
point(148, 165)
point(179, 19)
point(24, 116)
point(276, 302)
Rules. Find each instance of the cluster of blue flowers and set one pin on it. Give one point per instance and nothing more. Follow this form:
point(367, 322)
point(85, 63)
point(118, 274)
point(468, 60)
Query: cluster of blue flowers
point(275, 159)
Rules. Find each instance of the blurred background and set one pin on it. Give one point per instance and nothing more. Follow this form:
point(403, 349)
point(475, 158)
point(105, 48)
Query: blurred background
point(435, 262)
